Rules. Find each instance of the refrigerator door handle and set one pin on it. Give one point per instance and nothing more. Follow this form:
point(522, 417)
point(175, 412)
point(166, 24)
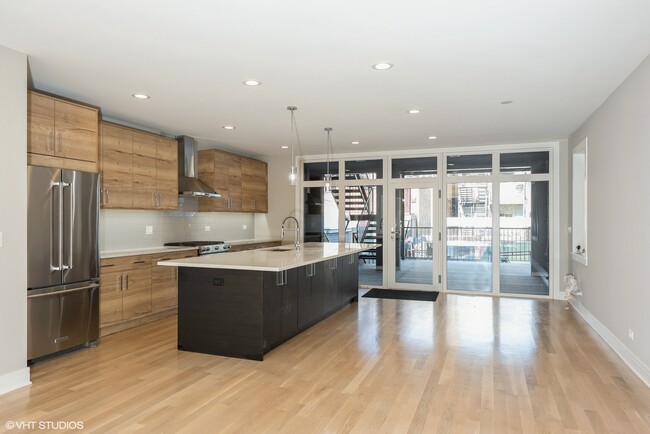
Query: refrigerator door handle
point(46, 294)
point(68, 266)
point(59, 266)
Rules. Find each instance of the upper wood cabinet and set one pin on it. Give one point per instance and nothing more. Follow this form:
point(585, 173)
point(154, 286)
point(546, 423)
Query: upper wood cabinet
point(139, 169)
point(254, 186)
point(241, 181)
point(61, 133)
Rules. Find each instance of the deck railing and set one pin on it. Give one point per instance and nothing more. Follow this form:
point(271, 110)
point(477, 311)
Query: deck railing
point(475, 244)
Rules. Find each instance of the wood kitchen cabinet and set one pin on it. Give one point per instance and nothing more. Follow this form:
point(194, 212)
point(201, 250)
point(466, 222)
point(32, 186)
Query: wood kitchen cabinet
point(139, 169)
point(223, 172)
point(61, 134)
point(164, 281)
point(136, 290)
point(254, 189)
point(241, 181)
point(125, 291)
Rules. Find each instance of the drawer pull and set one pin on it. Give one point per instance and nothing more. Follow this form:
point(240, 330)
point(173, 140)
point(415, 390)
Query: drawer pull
point(138, 262)
point(108, 265)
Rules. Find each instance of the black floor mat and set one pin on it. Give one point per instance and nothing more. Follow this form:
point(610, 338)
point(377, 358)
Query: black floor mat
point(396, 294)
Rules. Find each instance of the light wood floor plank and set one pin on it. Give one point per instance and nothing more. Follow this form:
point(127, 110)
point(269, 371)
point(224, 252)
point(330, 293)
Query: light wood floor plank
point(461, 364)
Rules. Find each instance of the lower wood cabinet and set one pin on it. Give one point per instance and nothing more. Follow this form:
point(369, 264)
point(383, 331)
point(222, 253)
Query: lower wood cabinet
point(134, 290)
point(164, 282)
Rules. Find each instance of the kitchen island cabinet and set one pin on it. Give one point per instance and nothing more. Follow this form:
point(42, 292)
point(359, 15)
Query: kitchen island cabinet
point(247, 303)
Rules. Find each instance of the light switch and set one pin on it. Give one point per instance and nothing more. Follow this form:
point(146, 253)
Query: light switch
point(244, 227)
point(148, 230)
point(207, 228)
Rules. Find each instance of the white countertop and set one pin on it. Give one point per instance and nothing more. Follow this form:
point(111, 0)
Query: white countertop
point(107, 254)
point(270, 259)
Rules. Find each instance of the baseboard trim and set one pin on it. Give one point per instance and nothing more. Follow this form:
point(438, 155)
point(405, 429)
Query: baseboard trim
point(14, 380)
point(636, 365)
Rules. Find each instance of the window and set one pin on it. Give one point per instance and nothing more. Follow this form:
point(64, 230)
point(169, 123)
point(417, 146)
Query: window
point(524, 163)
point(364, 169)
point(463, 165)
point(424, 167)
point(316, 171)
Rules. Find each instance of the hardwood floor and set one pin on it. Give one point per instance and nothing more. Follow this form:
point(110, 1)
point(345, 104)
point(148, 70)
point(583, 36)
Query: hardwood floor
point(461, 364)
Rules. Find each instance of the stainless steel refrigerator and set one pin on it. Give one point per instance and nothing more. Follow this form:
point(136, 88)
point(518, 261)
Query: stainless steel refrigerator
point(63, 260)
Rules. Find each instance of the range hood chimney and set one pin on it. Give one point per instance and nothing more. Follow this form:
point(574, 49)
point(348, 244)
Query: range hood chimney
point(188, 181)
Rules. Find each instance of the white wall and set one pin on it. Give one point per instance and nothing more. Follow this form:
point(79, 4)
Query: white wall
point(125, 229)
point(615, 286)
point(281, 199)
point(13, 220)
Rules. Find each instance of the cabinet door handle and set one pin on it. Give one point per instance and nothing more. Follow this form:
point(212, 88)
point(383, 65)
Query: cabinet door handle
point(51, 141)
point(121, 282)
point(106, 196)
point(60, 140)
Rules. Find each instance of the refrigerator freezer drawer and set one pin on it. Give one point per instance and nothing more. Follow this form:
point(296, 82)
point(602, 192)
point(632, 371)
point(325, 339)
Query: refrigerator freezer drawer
point(61, 319)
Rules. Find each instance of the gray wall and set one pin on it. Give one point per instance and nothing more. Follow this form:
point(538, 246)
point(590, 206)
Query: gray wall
point(13, 219)
point(281, 199)
point(615, 288)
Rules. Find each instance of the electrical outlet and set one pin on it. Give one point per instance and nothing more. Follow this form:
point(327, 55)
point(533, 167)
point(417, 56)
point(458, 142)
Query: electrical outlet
point(244, 227)
point(630, 334)
point(207, 228)
point(1, 240)
point(148, 230)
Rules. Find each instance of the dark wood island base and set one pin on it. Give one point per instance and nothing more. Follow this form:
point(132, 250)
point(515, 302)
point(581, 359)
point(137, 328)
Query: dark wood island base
point(245, 314)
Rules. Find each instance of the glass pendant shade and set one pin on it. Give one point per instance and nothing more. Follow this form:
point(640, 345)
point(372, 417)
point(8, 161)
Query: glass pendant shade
point(293, 175)
point(328, 183)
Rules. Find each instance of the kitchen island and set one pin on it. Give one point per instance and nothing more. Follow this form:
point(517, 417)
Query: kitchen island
point(244, 304)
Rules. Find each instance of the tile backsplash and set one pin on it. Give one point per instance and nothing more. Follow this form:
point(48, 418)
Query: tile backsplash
point(127, 229)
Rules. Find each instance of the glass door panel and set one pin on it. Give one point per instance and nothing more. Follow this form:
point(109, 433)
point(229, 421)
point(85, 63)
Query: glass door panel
point(524, 237)
point(469, 236)
point(321, 218)
point(414, 239)
point(363, 224)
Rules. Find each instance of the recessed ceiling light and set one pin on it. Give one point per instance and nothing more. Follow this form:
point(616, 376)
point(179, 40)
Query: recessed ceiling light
point(355, 143)
point(506, 102)
point(284, 147)
point(432, 137)
point(381, 66)
point(413, 111)
point(228, 127)
point(140, 96)
point(252, 83)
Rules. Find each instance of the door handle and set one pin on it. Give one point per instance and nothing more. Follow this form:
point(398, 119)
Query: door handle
point(60, 141)
point(45, 294)
point(51, 141)
point(127, 282)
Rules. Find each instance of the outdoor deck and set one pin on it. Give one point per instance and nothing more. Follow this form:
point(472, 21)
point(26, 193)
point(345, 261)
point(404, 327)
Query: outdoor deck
point(472, 276)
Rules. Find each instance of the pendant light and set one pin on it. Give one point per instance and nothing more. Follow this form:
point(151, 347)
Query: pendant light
point(328, 176)
point(293, 171)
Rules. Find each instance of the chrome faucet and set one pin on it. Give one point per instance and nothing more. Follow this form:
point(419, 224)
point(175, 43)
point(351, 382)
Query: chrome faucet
point(296, 243)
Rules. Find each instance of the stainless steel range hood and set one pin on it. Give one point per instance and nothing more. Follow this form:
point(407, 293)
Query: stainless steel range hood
point(188, 181)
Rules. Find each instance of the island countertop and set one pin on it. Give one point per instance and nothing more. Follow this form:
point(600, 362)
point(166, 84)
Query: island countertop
point(272, 258)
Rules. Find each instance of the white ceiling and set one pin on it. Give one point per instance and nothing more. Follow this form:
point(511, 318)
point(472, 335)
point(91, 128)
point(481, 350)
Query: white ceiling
point(455, 60)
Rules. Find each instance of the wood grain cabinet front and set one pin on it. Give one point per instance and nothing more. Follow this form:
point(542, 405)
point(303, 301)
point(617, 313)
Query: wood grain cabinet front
point(61, 134)
point(136, 290)
point(164, 282)
point(125, 291)
point(139, 169)
point(241, 181)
